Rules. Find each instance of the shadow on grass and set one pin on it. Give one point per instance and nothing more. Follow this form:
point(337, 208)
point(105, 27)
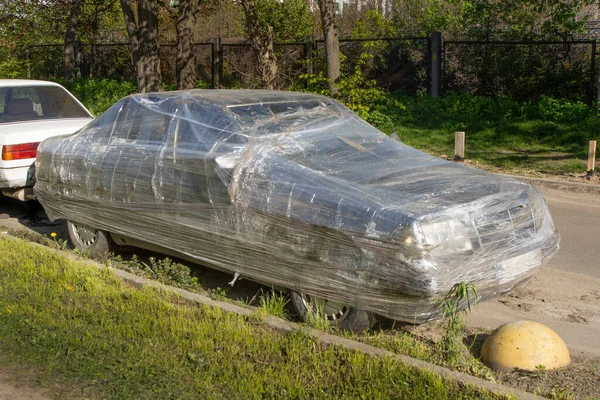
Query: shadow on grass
point(474, 343)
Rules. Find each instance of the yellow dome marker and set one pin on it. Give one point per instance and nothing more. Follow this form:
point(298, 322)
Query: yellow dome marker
point(526, 345)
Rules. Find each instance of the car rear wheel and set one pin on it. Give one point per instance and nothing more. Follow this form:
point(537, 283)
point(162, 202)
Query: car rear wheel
point(337, 314)
point(95, 241)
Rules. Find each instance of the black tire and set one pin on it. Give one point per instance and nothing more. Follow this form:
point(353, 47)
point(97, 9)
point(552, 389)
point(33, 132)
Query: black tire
point(96, 242)
point(340, 316)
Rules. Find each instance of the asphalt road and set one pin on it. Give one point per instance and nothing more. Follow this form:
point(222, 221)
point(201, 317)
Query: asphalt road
point(577, 218)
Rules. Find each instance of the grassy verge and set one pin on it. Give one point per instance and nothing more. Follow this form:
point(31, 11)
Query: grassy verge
point(84, 327)
point(547, 137)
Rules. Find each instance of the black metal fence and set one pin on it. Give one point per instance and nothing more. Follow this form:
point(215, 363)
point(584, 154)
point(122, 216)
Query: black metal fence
point(522, 70)
point(410, 65)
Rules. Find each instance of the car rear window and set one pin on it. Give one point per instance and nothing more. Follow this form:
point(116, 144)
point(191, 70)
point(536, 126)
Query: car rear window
point(28, 103)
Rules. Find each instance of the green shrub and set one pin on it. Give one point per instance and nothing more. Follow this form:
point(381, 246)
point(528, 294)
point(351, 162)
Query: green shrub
point(99, 94)
point(369, 101)
point(560, 110)
point(11, 68)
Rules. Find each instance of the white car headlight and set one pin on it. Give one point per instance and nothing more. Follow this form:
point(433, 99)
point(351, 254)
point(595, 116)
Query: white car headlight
point(445, 237)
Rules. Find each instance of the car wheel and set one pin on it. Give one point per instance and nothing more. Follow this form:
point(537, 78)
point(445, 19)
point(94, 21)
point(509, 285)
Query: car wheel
point(88, 239)
point(337, 314)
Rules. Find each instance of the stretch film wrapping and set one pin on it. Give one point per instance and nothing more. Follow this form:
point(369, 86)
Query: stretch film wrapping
point(294, 190)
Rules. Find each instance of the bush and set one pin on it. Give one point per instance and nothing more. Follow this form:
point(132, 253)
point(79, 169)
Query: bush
point(11, 68)
point(560, 110)
point(99, 94)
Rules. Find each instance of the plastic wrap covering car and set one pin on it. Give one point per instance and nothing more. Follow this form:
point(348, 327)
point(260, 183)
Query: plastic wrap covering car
point(295, 190)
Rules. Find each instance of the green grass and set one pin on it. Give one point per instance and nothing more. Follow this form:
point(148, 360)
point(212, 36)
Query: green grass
point(546, 137)
point(78, 326)
point(274, 303)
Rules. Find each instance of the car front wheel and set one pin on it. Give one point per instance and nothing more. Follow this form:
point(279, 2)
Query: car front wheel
point(335, 313)
point(91, 240)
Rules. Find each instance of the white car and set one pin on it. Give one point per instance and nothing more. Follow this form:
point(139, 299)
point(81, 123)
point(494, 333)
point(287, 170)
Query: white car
point(31, 111)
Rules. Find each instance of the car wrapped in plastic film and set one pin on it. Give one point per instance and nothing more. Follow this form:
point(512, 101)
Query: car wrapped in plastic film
point(296, 191)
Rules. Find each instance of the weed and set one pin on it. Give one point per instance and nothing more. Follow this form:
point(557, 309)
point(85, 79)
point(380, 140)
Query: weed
point(451, 306)
point(455, 354)
point(540, 370)
point(560, 394)
point(315, 317)
point(274, 303)
point(218, 292)
point(60, 244)
point(163, 270)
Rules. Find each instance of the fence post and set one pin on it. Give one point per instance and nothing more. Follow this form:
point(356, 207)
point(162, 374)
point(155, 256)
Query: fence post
point(436, 64)
point(308, 53)
point(591, 158)
point(308, 56)
point(28, 62)
point(459, 146)
point(592, 76)
point(594, 48)
point(216, 63)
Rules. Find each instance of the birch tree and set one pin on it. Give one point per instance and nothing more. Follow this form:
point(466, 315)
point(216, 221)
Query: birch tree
point(327, 9)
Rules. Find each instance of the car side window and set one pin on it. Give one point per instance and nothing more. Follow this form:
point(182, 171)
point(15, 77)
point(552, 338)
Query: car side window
point(150, 127)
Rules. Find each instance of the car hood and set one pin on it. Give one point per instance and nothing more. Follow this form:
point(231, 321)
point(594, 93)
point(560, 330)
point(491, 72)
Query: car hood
point(34, 131)
point(375, 186)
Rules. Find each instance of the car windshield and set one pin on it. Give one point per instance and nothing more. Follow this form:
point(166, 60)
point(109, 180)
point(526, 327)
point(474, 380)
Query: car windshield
point(28, 103)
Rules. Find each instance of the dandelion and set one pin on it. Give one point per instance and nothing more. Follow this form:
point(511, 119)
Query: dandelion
point(9, 311)
point(53, 234)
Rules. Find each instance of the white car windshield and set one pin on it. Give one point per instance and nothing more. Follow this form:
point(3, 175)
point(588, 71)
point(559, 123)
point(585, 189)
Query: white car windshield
point(28, 103)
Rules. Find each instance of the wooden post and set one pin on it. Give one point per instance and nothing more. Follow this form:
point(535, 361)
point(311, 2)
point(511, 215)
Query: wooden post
point(591, 158)
point(459, 146)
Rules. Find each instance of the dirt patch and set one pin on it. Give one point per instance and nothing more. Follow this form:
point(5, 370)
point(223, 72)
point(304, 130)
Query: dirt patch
point(19, 384)
point(581, 378)
point(525, 173)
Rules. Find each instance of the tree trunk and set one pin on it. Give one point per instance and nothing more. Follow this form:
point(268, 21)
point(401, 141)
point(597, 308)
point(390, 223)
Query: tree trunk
point(143, 38)
point(262, 45)
point(332, 43)
point(148, 65)
point(69, 49)
point(186, 60)
point(132, 30)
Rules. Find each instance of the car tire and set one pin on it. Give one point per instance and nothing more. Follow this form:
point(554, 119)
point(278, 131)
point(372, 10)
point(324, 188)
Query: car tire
point(97, 242)
point(338, 315)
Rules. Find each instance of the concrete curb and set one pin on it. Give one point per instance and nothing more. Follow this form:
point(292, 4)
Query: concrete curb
point(560, 185)
point(323, 337)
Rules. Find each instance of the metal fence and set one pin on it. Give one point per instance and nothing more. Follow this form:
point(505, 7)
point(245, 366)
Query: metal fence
point(523, 70)
point(398, 64)
point(410, 65)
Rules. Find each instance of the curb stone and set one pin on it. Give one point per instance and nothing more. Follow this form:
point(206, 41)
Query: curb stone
point(323, 337)
point(566, 186)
